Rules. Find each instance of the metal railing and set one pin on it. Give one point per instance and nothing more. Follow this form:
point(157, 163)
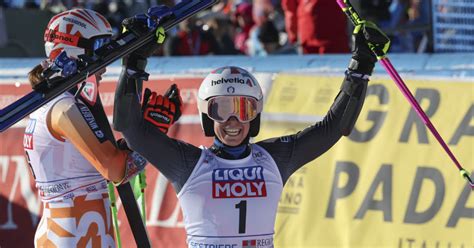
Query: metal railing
point(453, 25)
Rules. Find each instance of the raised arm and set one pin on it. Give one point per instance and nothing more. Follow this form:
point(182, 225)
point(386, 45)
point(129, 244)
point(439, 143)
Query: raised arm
point(296, 150)
point(173, 158)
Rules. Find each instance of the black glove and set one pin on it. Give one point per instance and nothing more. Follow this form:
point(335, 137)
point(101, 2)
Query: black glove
point(141, 25)
point(174, 96)
point(369, 44)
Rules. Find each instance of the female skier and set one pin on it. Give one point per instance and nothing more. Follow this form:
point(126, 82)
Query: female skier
point(229, 192)
point(67, 148)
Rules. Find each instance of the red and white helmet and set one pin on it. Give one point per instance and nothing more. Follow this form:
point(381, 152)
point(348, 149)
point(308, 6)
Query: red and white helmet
point(76, 31)
point(236, 84)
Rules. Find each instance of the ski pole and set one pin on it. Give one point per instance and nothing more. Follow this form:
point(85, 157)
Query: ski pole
point(113, 207)
point(142, 180)
point(356, 20)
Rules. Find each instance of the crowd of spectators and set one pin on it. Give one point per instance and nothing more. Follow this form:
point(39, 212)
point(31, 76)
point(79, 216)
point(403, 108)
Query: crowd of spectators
point(265, 27)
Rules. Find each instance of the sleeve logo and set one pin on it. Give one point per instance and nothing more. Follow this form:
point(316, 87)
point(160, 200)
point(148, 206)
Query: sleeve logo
point(89, 91)
point(238, 182)
point(91, 122)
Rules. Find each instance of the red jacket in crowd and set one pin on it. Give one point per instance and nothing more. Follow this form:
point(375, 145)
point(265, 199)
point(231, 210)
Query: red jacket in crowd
point(319, 25)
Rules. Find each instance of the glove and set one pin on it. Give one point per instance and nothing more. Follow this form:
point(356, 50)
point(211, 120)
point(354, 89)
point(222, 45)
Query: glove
point(174, 96)
point(62, 65)
point(369, 45)
point(140, 25)
point(134, 164)
point(162, 111)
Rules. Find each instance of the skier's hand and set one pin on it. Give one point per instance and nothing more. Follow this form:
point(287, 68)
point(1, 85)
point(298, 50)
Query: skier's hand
point(134, 164)
point(162, 111)
point(61, 66)
point(369, 45)
point(141, 25)
point(174, 96)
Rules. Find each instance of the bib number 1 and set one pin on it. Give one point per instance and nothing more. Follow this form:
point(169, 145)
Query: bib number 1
point(242, 207)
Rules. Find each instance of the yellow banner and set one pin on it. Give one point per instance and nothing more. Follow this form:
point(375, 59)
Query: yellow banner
point(390, 183)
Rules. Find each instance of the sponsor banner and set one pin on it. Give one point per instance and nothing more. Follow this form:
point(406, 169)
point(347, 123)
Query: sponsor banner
point(20, 205)
point(389, 184)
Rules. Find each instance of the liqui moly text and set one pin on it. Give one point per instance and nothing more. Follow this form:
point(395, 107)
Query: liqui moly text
point(238, 182)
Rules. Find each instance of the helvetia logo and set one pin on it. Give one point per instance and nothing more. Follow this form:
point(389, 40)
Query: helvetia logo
point(238, 183)
point(235, 80)
point(227, 80)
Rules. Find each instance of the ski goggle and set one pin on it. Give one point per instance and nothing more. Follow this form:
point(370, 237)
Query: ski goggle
point(221, 108)
point(99, 42)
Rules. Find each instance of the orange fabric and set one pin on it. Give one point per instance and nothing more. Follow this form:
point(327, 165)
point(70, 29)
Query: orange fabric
point(76, 223)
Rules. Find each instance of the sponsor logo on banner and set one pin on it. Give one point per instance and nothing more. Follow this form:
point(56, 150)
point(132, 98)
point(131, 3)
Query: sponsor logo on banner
point(394, 182)
point(238, 182)
point(293, 195)
point(28, 136)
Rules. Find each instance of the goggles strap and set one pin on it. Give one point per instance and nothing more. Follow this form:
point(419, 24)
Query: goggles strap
point(68, 39)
